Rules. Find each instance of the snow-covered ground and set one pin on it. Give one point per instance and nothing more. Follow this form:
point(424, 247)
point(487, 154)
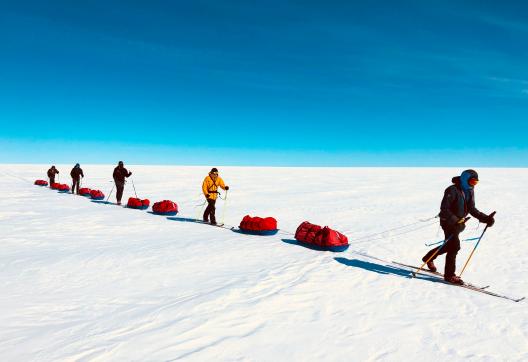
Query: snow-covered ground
point(85, 281)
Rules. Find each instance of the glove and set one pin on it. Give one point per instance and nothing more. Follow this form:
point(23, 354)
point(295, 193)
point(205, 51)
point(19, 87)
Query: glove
point(130, 173)
point(490, 221)
point(227, 188)
point(460, 225)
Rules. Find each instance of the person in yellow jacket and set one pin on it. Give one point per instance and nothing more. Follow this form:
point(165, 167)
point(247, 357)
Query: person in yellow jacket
point(210, 187)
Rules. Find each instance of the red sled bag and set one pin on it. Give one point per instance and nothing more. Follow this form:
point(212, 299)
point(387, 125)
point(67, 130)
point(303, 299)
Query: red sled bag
point(316, 237)
point(85, 191)
point(135, 203)
point(165, 207)
point(41, 183)
point(306, 232)
point(63, 188)
point(258, 225)
point(97, 195)
point(331, 239)
point(55, 186)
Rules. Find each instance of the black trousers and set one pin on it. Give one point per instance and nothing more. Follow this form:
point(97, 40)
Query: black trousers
point(210, 211)
point(120, 187)
point(75, 184)
point(52, 180)
point(450, 248)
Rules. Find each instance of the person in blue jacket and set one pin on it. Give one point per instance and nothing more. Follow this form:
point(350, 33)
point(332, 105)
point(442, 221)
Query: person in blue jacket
point(458, 202)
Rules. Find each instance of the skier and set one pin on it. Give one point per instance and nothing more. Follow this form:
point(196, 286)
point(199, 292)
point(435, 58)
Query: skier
point(458, 201)
point(76, 173)
point(51, 174)
point(210, 189)
point(120, 172)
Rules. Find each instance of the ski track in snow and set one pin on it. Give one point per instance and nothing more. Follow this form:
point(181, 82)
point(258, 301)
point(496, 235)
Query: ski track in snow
point(90, 282)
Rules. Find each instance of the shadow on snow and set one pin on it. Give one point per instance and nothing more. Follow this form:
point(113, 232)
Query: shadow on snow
point(383, 269)
point(314, 247)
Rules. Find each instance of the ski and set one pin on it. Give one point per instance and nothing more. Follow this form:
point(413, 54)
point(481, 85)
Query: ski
point(198, 221)
point(439, 278)
point(427, 271)
point(220, 225)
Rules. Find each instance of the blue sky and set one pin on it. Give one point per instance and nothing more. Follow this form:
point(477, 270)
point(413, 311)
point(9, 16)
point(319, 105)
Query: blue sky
point(337, 83)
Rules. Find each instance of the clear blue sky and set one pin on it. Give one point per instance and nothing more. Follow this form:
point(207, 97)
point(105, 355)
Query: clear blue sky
point(396, 83)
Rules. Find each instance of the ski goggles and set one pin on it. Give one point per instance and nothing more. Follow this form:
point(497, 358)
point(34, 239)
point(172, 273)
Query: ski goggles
point(473, 181)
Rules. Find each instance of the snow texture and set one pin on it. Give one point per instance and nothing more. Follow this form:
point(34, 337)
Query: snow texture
point(93, 282)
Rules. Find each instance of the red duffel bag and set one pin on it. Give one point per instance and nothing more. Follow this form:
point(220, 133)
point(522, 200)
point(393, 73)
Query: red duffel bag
point(85, 191)
point(258, 225)
point(41, 183)
point(97, 195)
point(55, 185)
point(165, 207)
point(321, 238)
point(135, 203)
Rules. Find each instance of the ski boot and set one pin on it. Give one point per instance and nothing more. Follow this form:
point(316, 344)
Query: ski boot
point(430, 265)
point(453, 279)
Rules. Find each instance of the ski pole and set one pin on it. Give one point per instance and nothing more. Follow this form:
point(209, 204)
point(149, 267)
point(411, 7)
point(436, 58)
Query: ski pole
point(441, 241)
point(199, 210)
point(134, 188)
point(225, 206)
point(476, 245)
point(110, 194)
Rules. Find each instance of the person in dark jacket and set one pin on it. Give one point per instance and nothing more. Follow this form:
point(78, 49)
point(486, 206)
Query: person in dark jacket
point(51, 174)
point(120, 173)
point(458, 202)
point(76, 173)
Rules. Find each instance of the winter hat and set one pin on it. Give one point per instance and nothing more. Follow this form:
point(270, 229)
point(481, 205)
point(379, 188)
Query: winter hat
point(465, 177)
point(214, 170)
point(120, 163)
point(77, 165)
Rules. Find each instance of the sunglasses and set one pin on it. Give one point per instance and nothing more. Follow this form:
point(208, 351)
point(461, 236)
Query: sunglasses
point(214, 173)
point(473, 181)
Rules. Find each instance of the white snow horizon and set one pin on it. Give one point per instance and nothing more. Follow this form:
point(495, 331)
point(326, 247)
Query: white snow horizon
point(86, 281)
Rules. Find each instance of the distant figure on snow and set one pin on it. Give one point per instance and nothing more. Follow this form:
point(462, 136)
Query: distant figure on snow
point(458, 201)
point(210, 189)
point(51, 174)
point(76, 173)
point(120, 173)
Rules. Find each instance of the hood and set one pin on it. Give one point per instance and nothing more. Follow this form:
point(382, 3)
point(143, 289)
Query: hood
point(464, 178)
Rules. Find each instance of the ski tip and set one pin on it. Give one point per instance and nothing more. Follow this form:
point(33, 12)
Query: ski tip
point(518, 300)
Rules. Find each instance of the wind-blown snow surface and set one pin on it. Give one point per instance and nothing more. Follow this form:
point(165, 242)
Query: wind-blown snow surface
point(85, 281)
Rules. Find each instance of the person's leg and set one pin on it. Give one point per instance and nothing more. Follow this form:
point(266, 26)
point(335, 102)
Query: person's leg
point(119, 192)
point(208, 210)
point(453, 246)
point(52, 181)
point(212, 214)
point(439, 250)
